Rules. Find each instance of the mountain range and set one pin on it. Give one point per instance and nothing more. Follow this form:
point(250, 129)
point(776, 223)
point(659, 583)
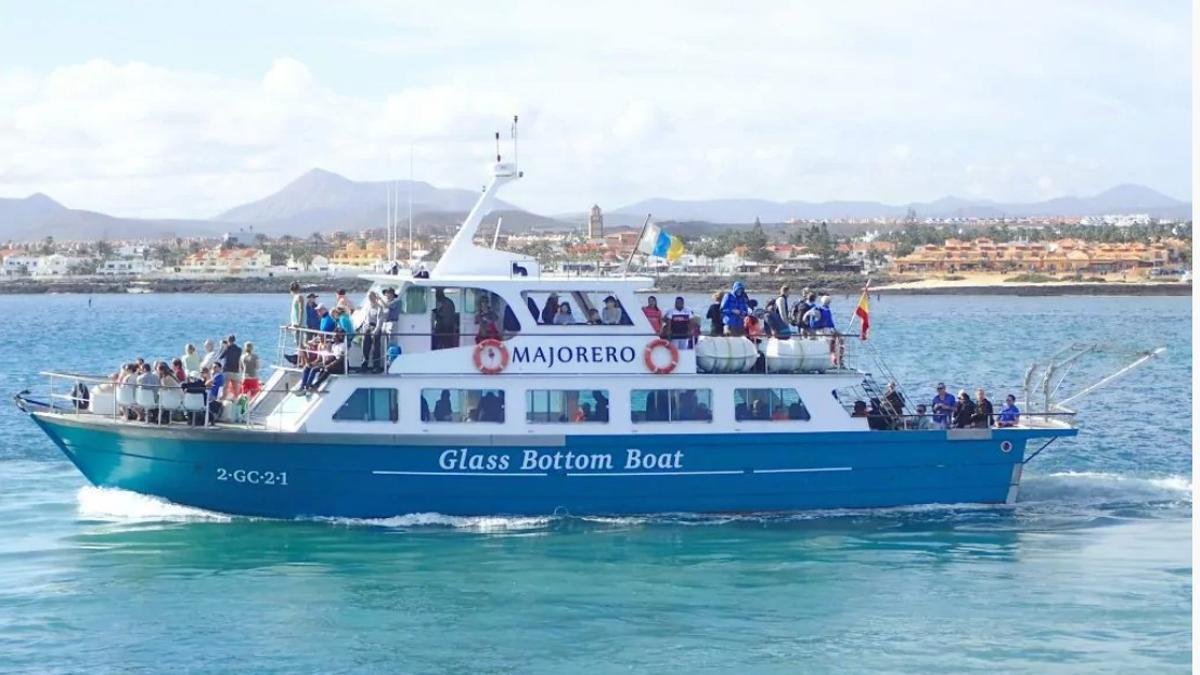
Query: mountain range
point(323, 201)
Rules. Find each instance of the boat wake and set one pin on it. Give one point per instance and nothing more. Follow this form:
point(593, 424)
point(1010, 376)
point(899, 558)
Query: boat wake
point(1083, 491)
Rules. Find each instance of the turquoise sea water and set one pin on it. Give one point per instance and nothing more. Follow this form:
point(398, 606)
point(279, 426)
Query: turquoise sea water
point(1089, 572)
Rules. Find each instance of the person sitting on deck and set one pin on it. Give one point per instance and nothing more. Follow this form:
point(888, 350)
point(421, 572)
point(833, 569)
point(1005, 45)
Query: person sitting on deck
point(328, 323)
point(333, 364)
point(191, 359)
point(964, 411)
point(147, 384)
point(564, 317)
point(594, 317)
point(166, 382)
point(612, 314)
point(210, 353)
point(735, 307)
point(922, 421)
point(1010, 414)
point(860, 409)
point(177, 369)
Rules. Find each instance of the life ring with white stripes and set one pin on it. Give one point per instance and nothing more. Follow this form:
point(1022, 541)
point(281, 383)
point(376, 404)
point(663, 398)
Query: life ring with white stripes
point(497, 355)
point(648, 356)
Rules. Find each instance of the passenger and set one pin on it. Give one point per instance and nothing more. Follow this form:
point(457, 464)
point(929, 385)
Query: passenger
point(564, 317)
point(943, 406)
point(344, 301)
point(550, 310)
point(752, 326)
point(923, 421)
point(594, 317)
point(334, 364)
point(811, 319)
point(783, 303)
point(231, 364)
point(688, 406)
point(209, 355)
point(422, 272)
point(177, 369)
point(166, 381)
point(860, 409)
point(328, 322)
point(372, 330)
point(490, 409)
point(679, 324)
point(191, 360)
point(654, 314)
point(964, 411)
point(445, 321)
point(983, 411)
point(734, 309)
point(826, 314)
point(442, 410)
point(612, 314)
point(799, 308)
point(777, 323)
point(875, 418)
point(893, 400)
point(583, 413)
point(345, 323)
point(488, 323)
point(758, 410)
point(1010, 414)
point(391, 317)
point(601, 413)
point(147, 384)
point(250, 384)
point(312, 321)
point(716, 327)
point(296, 319)
point(128, 384)
point(215, 384)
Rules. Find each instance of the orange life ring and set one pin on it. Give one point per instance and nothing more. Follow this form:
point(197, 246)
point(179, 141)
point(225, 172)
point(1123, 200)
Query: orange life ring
point(648, 356)
point(491, 344)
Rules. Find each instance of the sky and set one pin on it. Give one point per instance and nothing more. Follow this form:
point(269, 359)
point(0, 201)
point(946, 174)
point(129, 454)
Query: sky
point(157, 109)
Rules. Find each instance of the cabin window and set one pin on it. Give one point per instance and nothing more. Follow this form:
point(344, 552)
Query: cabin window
point(771, 405)
point(369, 405)
point(597, 308)
point(549, 406)
point(462, 405)
point(670, 405)
point(415, 301)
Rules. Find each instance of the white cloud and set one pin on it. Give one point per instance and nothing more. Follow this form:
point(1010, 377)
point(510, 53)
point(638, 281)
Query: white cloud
point(619, 102)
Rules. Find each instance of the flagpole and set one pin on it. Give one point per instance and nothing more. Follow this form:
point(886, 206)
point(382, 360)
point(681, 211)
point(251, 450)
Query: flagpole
point(636, 243)
point(854, 314)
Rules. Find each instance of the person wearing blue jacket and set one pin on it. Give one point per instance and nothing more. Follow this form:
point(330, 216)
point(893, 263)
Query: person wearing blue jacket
point(734, 308)
point(826, 314)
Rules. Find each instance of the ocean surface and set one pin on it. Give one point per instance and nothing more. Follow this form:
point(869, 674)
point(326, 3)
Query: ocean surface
point(1089, 572)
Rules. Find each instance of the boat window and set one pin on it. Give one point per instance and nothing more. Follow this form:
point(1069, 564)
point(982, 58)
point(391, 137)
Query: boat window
point(566, 405)
point(369, 405)
point(467, 316)
point(670, 405)
point(415, 301)
point(598, 308)
point(462, 405)
point(769, 404)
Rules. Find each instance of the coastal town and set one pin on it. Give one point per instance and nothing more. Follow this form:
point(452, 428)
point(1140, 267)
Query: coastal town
point(1118, 248)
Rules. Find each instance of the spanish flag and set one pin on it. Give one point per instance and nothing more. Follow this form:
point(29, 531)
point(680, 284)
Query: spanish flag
point(863, 312)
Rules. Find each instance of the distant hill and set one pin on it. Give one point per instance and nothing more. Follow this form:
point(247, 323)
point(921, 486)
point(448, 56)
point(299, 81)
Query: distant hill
point(37, 216)
point(1125, 198)
point(322, 200)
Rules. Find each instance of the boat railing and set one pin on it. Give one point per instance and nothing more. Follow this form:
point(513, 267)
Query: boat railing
point(300, 347)
point(885, 421)
point(155, 404)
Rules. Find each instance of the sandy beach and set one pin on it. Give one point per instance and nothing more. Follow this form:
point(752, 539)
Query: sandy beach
point(991, 283)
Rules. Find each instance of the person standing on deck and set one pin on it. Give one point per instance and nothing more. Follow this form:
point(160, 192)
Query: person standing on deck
point(312, 321)
point(679, 324)
point(943, 405)
point(210, 354)
point(190, 359)
point(982, 418)
point(549, 310)
point(716, 327)
point(826, 315)
point(445, 321)
point(328, 322)
point(1010, 414)
point(296, 318)
point(783, 303)
point(964, 411)
point(654, 314)
point(391, 317)
point(735, 307)
point(231, 364)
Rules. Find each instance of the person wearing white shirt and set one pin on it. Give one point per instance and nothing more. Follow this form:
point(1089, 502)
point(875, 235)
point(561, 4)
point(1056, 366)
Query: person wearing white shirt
point(678, 322)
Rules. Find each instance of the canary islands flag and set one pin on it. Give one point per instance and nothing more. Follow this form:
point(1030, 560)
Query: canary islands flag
point(658, 242)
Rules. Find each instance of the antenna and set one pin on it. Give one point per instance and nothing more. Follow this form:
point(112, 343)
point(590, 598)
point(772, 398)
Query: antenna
point(496, 235)
point(410, 189)
point(388, 217)
point(516, 158)
point(497, 147)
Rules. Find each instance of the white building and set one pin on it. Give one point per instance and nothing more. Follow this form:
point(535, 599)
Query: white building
point(230, 262)
point(319, 263)
point(19, 265)
point(129, 267)
point(56, 265)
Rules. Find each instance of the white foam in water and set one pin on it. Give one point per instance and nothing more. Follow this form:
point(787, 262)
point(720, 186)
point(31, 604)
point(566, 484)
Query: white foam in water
point(98, 503)
point(477, 523)
point(1098, 487)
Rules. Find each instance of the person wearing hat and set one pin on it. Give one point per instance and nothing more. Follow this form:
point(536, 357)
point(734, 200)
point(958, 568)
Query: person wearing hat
point(311, 318)
point(391, 316)
point(943, 405)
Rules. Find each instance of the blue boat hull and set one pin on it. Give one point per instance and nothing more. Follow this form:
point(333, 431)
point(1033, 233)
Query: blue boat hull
point(290, 475)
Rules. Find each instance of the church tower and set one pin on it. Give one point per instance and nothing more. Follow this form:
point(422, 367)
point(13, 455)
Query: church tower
point(595, 223)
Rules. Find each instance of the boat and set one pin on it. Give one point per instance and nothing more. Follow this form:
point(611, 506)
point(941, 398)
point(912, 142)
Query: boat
point(503, 413)
point(139, 287)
